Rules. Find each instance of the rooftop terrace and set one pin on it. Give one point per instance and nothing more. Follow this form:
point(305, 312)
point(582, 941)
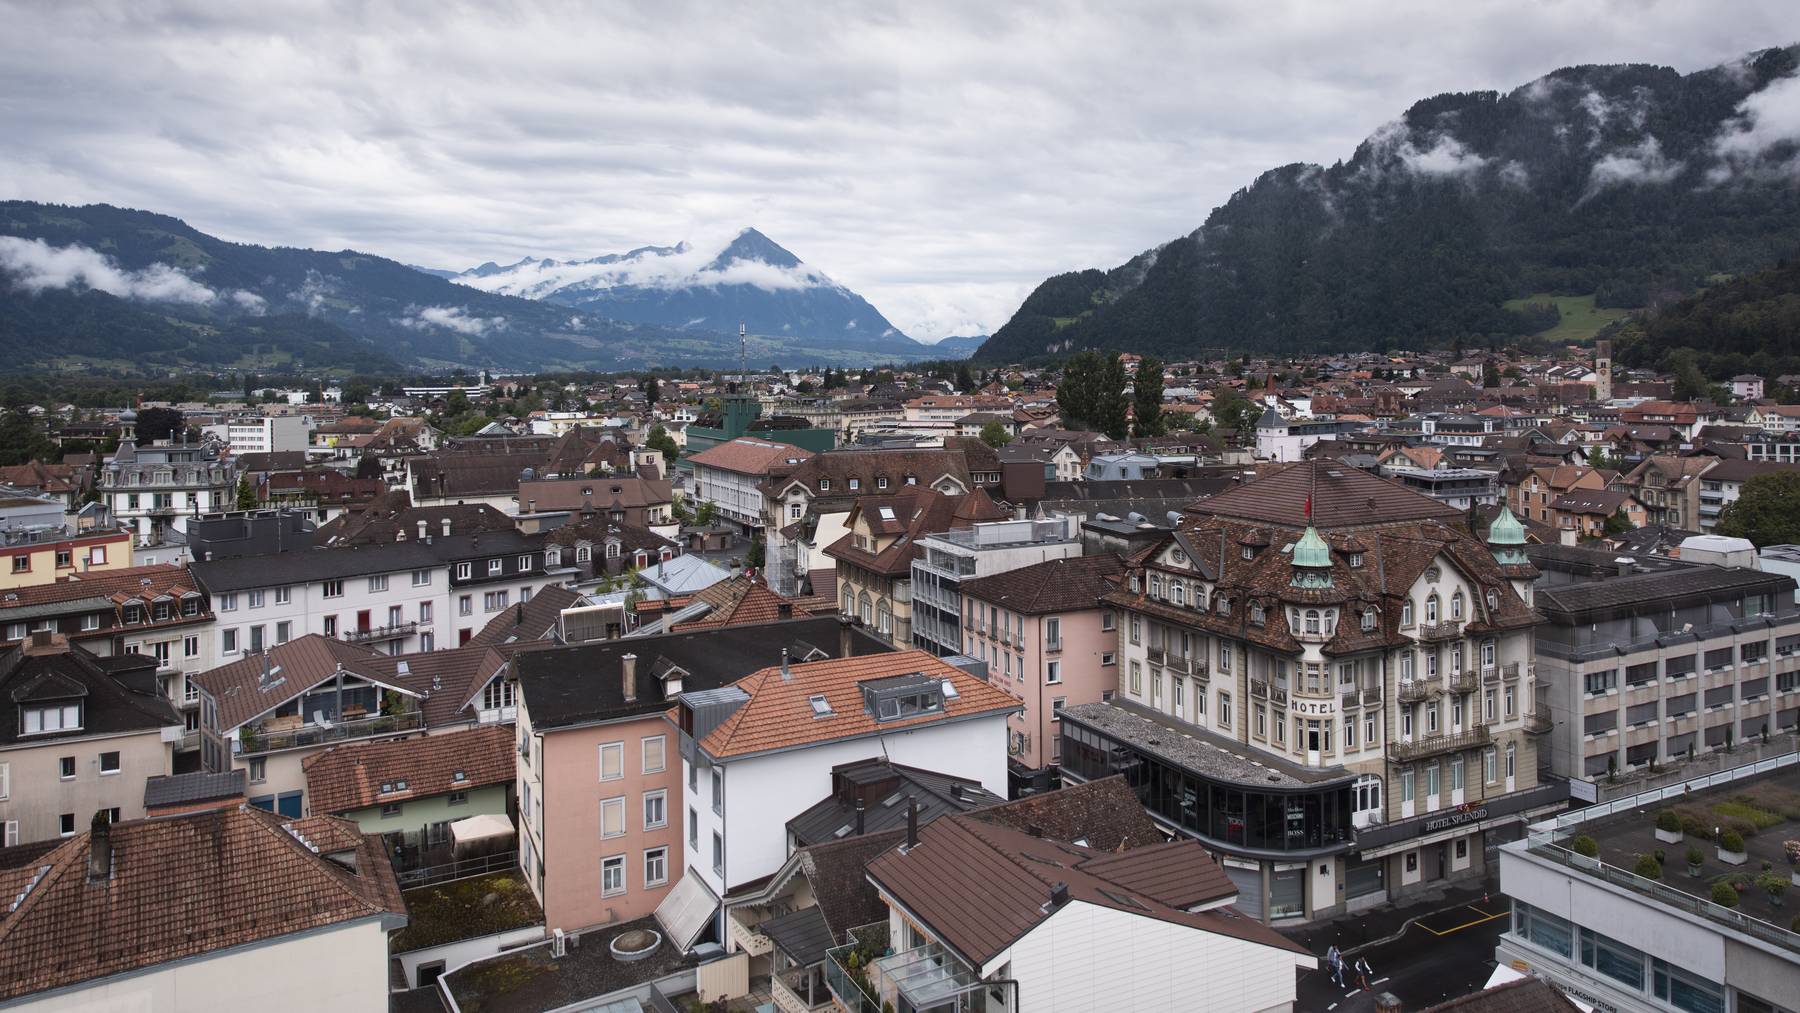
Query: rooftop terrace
point(531, 978)
point(466, 909)
point(1760, 802)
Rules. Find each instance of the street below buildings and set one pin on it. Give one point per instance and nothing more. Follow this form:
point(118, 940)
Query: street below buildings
point(1442, 950)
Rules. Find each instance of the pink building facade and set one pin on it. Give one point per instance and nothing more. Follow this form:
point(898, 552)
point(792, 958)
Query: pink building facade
point(1047, 640)
point(609, 848)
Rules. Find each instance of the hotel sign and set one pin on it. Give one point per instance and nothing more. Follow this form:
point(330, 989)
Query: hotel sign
point(1313, 708)
point(1456, 818)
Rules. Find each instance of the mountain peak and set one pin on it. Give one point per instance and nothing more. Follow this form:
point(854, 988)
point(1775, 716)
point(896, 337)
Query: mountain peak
point(753, 245)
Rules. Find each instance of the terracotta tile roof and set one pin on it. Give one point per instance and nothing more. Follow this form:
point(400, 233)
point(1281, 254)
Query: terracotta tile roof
point(1342, 496)
point(981, 887)
point(749, 457)
point(1106, 814)
point(304, 663)
point(1056, 585)
point(779, 716)
point(595, 492)
point(838, 467)
point(161, 578)
point(900, 520)
point(744, 599)
point(186, 886)
point(351, 776)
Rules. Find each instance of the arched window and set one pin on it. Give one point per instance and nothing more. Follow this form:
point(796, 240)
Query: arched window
point(1406, 666)
point(864, 608)
point(612, 550)
point(1368, 621)
point(1257, 615)
point(583, 553)
point(1487, 654)
point(1493, 599)
point(553, 556)
point(1431, 609)
point(1406, 612)
point(1155, 586)
point(883, 617)
point(1312, 620)
point(1456, 605)
point(849, 602)
point(1223, 605)
point(1177, 593)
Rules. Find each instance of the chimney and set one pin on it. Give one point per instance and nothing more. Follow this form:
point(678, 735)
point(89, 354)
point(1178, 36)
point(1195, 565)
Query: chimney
point(1387, 1002)
point(629, 677)
point(1034, 830)
point(859, 817)
point(446, 527)
point(784, 610)
point(100, 848)
point(912, 822)
point(1059, 894)
point(843, 636)
point(422, 531)
point(786, 673)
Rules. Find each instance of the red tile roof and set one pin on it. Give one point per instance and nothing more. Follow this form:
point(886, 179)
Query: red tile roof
point(349, 777)
point(779, 716)
point(981, 887)
point(747, 456)
point(186, 886)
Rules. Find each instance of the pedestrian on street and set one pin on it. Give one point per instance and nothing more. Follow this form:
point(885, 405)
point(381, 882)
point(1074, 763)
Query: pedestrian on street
point(1337, 967)
point(1363, 972)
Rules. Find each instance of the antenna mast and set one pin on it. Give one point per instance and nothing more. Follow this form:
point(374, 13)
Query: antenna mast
point(743, 356)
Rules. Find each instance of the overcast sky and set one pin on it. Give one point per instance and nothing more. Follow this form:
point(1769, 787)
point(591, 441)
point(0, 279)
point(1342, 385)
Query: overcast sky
point(940, 160)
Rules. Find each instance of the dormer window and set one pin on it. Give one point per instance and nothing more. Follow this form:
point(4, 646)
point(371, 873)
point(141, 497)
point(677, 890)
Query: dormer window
point(1355, 560)
point(56, 718)
point(1257, 615)
point(583, 553)
point(1368, 621)
point(1247, 552)
point(1155, 587)
point(1406, 612)
point(1177, 593)
point(1456, 605)
point(855, 484)
point(1493, 599)
point(1312, 620)
point(881, 483)
point(553, 557)
point(1223, 606)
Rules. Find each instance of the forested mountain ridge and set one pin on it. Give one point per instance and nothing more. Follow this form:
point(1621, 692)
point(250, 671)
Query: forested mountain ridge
point(133, 289)
point(1748, 324)
point(1633, 183)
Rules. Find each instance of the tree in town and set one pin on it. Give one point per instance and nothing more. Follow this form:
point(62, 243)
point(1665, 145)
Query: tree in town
point(246, 496)
point(754, 558)
point(158, 424)
point(995, 435)
point(965, 379)
point(1490, 375)
point(22, 438)
point(659, 439)
point(1764, 510)
point(1147, 397)
point(1112, 409)
point(652, 390)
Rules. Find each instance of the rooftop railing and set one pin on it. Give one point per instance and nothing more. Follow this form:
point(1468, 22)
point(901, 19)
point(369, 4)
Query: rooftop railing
point(263, 740)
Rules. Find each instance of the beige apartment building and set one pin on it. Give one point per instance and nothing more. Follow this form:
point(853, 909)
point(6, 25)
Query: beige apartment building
point(77, 736)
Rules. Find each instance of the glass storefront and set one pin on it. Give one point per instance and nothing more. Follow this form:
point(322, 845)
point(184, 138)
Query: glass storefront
point(1302, 818)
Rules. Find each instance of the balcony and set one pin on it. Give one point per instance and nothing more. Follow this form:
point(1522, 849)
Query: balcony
point(1490, 675)
point(1440, 743)
point(847, 972)
point(1052, 646)
point(1412, 690)
point(271, 737)
point(1440, 631)
point(790, 989)
point(1512, 670)
point(751, 941)
point(374, 633)
point(1259, 688)
point(1537, 721)
point(1464, 682)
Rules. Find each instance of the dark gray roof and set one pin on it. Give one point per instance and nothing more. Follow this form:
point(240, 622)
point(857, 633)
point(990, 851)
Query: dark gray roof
point(802, 935)
point(582, 683)
point(245, 572)
point(198, 786)
point(116, 696)
point(834, 817)
point(1196, 749)
point(1659, 589)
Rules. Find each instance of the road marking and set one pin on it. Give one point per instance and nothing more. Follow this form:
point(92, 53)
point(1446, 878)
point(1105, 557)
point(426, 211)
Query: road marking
point(1378, 981)
point(1331, 1007)
point(1485, 917)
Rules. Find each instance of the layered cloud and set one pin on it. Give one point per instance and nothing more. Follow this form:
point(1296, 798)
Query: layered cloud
point(33, 265)
point(1643, 162)
point(684, 266)
point(1767, 123)
point(450, 318)
point(938, 158)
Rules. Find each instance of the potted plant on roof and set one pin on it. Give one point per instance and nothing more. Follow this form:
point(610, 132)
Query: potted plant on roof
point(1774, 885)
point(1694, 857)
point(1731, 848)
point(1723, 894)
point(1668, 827)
